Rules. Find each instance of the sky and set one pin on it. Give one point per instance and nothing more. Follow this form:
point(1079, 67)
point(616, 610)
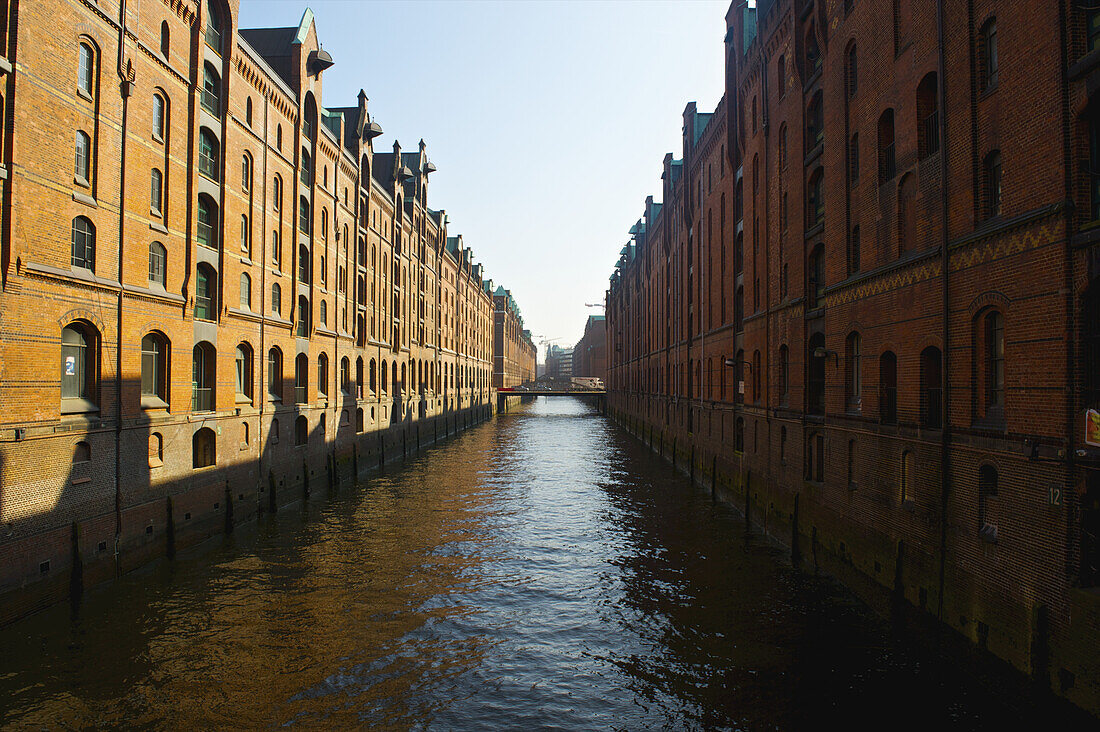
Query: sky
point(547, 121)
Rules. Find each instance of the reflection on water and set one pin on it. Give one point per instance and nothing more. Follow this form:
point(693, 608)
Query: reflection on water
point(539, 570)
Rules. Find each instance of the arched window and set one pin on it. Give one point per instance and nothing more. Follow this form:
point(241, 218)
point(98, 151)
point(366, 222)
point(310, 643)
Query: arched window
point(931, 380)
point(158, 264)
point(202, 377)
point(273, 432)
point(853, 160)
point(303, 215)
point(813, 53)
point(207, 229)
point(246, 291)
point(246, 234)
point(324, 313)
point(165, 45)
point(246, 172)
point(154, 370)
point(301, 430)
point(156, 450)
point(275, 374)
point(244, 372)
point(248, 111)
point(83, 245)
point(156, 192)
point(992, 184)
point(79, 367)
point(322, 375)
point(359, 419)
point(851, 72)
point(85, 69)
point(987, 54)
point(324, 225)
point(853, 373)
point(987, 503)
point(277, 193)
point(886, 164)
point(206, 305)
point(373, 377)
point(159, 109)
point(303, 263)
point(853, 251)
point(83, 164)
point(888, 387)
point(208, 154)
point(276, 298)
point(345, 375)
point(306, 168)
point(815, 457)
point(301, 379)
point(993, 376)
point(203, 448)
point(309, 117)
point(815, 126)
point(213, 27)
point(278, 137)
point(815, 382)
point(359, 377)
point(815, 277)
point(815, 199)
point(302, 330)
point(211, 90)
point(928, 118)
point(907, 215)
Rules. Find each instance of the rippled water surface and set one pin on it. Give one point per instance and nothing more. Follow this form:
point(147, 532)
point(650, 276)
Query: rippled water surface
point(539, 571)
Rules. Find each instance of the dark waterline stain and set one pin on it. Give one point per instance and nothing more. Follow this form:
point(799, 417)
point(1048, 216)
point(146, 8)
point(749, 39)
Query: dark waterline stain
point(541, 570)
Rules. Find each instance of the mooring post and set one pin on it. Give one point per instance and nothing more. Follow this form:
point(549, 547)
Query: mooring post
point(228, 508)
point(796, 553)
point(76, 574)
point(170, 529)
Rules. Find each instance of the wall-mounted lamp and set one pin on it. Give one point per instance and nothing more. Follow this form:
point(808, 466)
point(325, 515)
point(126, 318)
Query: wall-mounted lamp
point(732, 363)
point(822, 352)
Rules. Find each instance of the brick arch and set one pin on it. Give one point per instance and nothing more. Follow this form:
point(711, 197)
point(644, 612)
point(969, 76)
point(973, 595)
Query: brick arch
point(990, 298)
point(81, 314)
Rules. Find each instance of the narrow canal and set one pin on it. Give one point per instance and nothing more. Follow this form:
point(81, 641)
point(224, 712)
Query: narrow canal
point(542, 570)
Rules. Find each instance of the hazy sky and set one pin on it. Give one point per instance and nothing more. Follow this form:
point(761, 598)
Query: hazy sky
point(547, 121)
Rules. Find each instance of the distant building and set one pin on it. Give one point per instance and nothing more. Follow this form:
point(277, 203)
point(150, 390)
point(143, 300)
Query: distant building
point(590, 353)
point(514, 352)
point(559, 362)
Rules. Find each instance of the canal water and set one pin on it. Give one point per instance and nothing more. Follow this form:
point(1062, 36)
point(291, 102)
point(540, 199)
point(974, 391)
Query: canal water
point(541, 570)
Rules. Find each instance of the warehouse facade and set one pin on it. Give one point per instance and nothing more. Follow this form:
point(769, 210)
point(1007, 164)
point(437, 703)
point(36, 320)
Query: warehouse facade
point(867, 307)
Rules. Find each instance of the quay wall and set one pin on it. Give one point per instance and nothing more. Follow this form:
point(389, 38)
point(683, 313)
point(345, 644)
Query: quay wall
point(76, 525)
point(1038, 646)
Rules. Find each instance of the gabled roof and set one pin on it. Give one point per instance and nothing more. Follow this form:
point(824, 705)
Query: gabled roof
point(273, 45)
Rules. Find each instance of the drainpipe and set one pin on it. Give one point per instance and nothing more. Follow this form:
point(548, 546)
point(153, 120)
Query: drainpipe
point(125, 88)
point(945, 457)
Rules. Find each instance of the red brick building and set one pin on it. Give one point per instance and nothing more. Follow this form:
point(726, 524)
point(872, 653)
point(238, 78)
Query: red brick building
point(867, 307)
point(590, 353)
point(214, 288)
point(514, 352)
